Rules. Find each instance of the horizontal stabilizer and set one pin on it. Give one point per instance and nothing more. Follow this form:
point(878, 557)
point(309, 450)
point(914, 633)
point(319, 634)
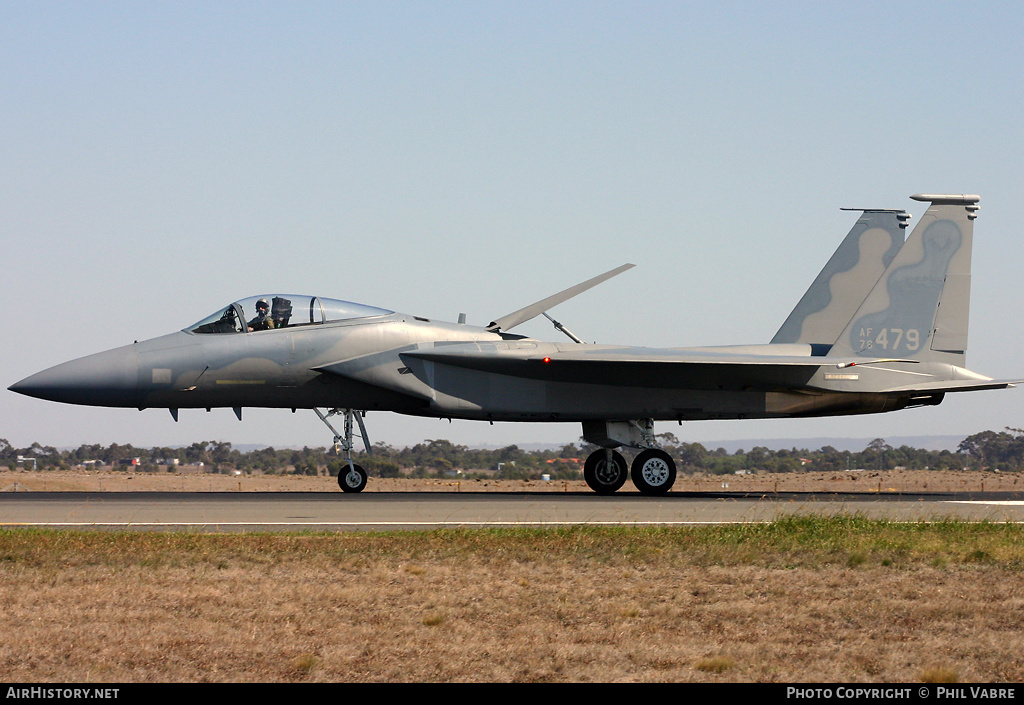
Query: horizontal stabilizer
point(953, 386)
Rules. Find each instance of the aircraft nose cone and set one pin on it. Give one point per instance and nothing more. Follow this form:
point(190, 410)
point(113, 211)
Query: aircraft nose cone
point(108, 378)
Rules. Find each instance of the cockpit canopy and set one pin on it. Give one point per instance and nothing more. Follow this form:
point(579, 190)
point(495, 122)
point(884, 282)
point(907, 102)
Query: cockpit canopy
point(274, 311)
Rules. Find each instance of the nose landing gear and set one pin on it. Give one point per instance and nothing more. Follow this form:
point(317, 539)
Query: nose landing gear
point(354, 478)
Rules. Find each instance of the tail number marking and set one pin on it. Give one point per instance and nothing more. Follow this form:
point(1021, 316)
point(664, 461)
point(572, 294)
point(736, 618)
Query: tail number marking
point(890, 339)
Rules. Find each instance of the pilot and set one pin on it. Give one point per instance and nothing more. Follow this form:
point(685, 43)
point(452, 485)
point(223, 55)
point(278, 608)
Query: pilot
point(262, 321)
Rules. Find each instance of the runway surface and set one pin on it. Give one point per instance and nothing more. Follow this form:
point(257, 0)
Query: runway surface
point(251, 511)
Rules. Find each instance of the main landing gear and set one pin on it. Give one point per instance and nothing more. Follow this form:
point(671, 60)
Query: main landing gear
point(354, 478)
point(653, 471)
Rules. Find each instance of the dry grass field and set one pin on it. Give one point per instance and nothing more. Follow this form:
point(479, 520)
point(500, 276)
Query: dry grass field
point(106, 480)
point(802, 600)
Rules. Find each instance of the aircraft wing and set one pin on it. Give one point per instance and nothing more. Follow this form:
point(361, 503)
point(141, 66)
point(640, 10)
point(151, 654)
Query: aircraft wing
point(682, 368)
point(487, 356)
point(643, 367)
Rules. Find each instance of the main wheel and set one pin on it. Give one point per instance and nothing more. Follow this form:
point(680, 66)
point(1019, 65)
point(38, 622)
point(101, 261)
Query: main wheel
point(604, 477)
point(653, 472)
point(352, 478)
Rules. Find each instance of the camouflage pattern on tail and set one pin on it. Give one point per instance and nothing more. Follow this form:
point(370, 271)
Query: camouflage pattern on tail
point(847, 278)
point(918, 309)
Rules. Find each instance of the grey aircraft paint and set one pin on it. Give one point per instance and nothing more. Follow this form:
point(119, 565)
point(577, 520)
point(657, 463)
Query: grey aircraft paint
point(883, 327)
point(833, 297)
point(919, 308)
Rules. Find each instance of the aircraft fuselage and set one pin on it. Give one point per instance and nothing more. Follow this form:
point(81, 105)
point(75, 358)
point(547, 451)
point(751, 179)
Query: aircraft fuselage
point(393, 363)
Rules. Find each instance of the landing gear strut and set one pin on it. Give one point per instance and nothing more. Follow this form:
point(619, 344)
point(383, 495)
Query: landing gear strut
point(653, 471)
point(354, 478)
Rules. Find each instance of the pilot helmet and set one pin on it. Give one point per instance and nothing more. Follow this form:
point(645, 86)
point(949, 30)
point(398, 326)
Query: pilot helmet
point(262, 305)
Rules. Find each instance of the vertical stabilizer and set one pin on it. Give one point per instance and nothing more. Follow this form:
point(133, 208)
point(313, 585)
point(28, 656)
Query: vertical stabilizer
point(919, 307)
point(842, 285)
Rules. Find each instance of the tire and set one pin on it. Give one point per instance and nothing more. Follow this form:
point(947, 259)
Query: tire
point(352, 479)
point(653, 472)
point(602, 477)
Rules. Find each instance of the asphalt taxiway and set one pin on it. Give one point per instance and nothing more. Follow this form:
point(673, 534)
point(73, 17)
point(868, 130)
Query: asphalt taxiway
point(249, 511)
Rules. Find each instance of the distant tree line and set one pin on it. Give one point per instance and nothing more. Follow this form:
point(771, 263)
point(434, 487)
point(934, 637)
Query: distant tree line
point(988, 450)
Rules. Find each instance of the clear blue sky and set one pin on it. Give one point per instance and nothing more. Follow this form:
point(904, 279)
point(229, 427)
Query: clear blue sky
point(161, 159)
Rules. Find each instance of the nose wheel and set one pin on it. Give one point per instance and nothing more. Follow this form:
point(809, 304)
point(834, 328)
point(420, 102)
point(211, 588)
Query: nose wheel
point(352, 480)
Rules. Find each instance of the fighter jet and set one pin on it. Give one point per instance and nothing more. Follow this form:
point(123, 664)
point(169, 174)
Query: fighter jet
point(883, 327)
